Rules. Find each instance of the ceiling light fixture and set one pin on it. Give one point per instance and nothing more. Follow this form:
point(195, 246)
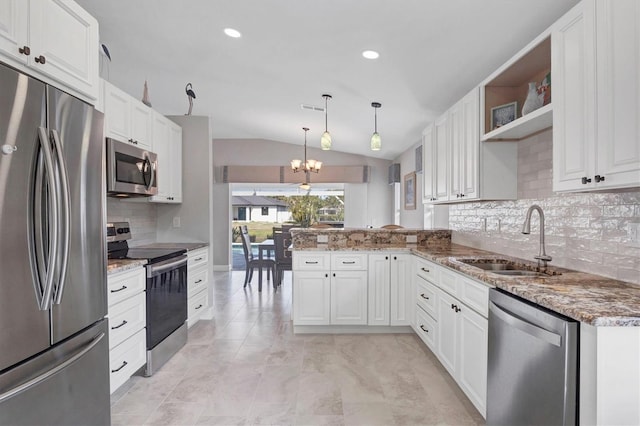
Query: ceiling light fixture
point(376, 142)
point(370, 54)
point(325, 140)
point(232, 33)
point(308, 165)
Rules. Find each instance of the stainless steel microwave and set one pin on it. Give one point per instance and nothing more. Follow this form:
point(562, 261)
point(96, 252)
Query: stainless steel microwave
point(131, 171)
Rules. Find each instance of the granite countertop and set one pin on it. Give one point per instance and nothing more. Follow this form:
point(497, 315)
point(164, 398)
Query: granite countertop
point(185, 246)
point(121, 265)
point(588, 298)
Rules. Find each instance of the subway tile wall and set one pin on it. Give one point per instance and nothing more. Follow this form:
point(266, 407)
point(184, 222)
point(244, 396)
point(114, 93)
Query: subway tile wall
point(586, 232)
point(142, 216)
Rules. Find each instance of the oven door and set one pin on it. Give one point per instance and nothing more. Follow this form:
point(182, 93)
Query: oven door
point(166, 298)
point(131, 171)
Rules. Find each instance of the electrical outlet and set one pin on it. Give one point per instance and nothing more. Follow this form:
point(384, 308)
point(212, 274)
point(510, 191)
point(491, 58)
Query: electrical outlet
point(412, 239)
point(633, 231)
point(323, 238)
point(176, 222)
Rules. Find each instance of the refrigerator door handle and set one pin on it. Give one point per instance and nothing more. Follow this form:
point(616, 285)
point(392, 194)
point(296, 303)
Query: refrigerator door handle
point(47, 290)
point(65, 215)
point(44, 376)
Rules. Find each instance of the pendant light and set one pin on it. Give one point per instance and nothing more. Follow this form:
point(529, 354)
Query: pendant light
point(325, 140)
point(308, 166)
point(376, 142)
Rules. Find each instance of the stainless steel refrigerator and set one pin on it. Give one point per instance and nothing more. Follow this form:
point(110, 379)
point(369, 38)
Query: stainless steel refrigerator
point(54, 356)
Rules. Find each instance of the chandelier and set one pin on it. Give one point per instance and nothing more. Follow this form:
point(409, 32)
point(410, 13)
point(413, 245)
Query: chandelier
point(308, 166)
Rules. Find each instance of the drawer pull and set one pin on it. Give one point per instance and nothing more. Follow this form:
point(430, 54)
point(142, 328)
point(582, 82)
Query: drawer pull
point(424, 329)
point(310, 263)
point(198, 259)
point(124, 287)
point(348, 263)
point(425, 269)
point(199, 281)
point(124, 364)
point(120, 325)
point(424, 297)
point(199, 306)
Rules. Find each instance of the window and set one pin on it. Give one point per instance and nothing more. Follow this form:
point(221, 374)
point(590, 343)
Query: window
point(265, 211)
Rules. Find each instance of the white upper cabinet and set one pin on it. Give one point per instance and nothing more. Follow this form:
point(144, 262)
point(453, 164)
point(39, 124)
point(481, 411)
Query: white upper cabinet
point(465, 146)
point(440, 158)
point(167, 144)
point(429, 166)
point(126, 118)
point(596, 86)
point(56, 40)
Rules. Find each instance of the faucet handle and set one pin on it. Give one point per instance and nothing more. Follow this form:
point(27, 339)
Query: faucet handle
point(544, 257)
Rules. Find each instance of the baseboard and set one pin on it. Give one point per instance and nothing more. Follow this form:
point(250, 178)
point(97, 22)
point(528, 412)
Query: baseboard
point(221, 268)
point(350, 329)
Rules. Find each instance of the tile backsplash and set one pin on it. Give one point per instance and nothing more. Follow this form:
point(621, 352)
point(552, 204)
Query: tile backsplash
point(142, 216)
point(584, 231)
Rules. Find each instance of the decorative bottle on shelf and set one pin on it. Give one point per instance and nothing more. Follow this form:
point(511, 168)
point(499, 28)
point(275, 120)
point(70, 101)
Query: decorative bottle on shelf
point(533, 101)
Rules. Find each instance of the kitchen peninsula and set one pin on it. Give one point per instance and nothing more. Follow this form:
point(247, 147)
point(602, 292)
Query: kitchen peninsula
point(379, 280)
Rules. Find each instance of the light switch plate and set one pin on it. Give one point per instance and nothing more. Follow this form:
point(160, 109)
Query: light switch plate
point(176, 222)
point(412, 239)
point(323, 238)
point(633, 232)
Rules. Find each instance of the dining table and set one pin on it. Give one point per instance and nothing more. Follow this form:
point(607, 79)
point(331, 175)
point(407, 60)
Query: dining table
point(264, 248)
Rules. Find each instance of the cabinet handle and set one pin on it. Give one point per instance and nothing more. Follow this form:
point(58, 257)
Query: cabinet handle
point(461, 195)
point(199, 306)
point(457, 195)
point(424, 329)
point(199, 281)
point(386, 258)
point(124, 364)
point(425, 269)
point(124, 287)
point(334, 274)
point(599, 178)
point(198, 259)
point(25, 50)
point(348, 263)
point(326, 275)
point(41, 59)
point(118, 326)
point(395, 258)
point(585, 181)
point(310, 263)
point(424, 297)
point(458, 309)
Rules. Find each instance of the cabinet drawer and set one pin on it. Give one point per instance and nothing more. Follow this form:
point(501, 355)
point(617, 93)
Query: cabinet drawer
point(349, 262)
point(198, 281)
point(123, 285)
point(126, 318)
point(197, 305)
point(197, 257)
point(426, 296)
point(448, 281)
point(126, 358)
point(311, 261)
point(426, 328)
point(474, 295)
point(426, 270)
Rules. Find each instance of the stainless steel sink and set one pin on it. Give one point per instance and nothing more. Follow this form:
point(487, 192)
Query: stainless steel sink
point(519, 273)
point(500, 266)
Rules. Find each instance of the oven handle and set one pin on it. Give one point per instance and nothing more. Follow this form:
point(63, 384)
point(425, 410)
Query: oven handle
point(167, 265)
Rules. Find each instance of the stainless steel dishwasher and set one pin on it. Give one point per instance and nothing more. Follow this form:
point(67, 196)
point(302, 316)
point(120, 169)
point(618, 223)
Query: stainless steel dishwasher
point(533, 364)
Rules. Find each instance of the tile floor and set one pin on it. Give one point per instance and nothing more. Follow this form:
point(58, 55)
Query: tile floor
point(247, 367)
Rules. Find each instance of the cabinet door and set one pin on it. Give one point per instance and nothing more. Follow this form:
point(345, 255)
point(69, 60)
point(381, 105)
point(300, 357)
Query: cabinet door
point(14, 28)
point(618, 74)
point(402, 302)
point(161, 148)
point(67, 37)
point(441, 156)
point(456, 159)
point(141, 126)
point(175, 148)
point(473, 339)
point(311, 303)
point(470, 145)
point(447, 334)
point(349, 297)
point(573, 77)
point(117, 115)
point(429, 166)
point(379, 287)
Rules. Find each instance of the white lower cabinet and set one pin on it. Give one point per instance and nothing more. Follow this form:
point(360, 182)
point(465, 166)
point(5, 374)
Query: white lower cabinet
point(349, 297)
point(451, 318)
point(311, 297)
point(197, 284)
point(127, 322)
point(390, 296)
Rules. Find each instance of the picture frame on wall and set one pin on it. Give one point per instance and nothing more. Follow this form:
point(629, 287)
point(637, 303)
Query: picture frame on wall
point(503, 114)
point(410, 191)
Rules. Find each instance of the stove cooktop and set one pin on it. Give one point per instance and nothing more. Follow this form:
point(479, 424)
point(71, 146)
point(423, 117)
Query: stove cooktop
point(152, 255)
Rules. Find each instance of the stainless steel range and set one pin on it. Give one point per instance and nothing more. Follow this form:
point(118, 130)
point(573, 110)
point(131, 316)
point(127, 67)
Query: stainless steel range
point(166, 294)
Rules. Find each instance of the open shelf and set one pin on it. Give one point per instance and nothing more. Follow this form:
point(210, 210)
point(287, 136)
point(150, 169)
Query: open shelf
point(511, 84)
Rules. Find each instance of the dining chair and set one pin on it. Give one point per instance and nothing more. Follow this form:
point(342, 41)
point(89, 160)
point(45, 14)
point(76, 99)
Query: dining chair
point(252, 262)
point(282, 241)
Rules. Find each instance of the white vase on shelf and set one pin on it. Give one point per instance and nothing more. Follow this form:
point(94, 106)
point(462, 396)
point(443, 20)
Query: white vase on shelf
point(533, 101)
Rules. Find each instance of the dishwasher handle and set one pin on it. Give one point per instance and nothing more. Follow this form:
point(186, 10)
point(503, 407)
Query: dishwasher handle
point(525, 326)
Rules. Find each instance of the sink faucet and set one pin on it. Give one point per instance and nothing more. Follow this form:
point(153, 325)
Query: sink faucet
point(526, 229)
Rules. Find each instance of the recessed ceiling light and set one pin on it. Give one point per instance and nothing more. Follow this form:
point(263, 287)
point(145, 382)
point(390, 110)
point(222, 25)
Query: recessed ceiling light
point(232, 33)
point(370, 54)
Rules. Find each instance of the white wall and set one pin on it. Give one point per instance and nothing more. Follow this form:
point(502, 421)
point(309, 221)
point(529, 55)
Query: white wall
point(410, 218)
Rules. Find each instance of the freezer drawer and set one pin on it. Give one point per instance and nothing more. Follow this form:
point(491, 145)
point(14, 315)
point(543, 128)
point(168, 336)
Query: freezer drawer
point(67, 385)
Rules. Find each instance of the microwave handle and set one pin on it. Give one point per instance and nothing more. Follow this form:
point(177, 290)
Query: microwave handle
point(151, 173)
